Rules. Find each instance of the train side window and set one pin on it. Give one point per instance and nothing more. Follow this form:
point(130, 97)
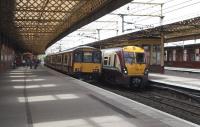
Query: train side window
point(59, 60)
point(55, 59)
point(105, 62)
point(69, 60)
point(50, 57)
point(62, 56)
point(66, 56)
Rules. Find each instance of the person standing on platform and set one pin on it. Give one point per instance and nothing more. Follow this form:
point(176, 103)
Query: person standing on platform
point(29, 61)
point(35, 63)
point(23, 63)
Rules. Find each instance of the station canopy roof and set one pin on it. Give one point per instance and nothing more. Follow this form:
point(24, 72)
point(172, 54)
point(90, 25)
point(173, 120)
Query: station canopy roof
point(178, 31)
point(34, 25)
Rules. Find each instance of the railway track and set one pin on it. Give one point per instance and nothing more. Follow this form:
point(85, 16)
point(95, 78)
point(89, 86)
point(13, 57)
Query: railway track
point(183, 104)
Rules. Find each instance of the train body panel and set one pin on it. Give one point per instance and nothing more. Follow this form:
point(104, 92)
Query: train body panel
point(135, 69)
point(87, 67)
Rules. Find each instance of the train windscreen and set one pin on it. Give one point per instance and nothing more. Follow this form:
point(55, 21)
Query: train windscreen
point(87, 57)
point(129, 57)
point(78, 57)
point(140, 57)
point(97, 57)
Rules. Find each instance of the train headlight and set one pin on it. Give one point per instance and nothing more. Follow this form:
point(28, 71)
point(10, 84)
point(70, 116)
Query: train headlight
point(77, 69)
point(95, 70)
point(125, 71)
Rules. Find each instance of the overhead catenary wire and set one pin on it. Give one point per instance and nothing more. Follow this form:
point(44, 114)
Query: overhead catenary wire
point(170, 8)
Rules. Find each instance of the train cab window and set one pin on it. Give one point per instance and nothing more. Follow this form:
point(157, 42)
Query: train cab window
point(129, 57)
point(140, 58)
point(96, 57)
point(87, 57)
point(78, 57)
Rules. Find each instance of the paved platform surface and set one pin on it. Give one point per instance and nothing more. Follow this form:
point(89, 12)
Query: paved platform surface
point(190, 70)
point(177, 78)
point(45, 98)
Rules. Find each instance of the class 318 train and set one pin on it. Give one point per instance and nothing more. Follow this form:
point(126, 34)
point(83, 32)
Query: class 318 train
point(80, 62)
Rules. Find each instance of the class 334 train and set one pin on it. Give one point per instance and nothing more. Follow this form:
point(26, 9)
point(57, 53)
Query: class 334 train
point(125, 65)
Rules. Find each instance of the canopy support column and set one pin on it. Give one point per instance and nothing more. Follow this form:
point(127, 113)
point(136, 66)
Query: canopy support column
point(162, 52)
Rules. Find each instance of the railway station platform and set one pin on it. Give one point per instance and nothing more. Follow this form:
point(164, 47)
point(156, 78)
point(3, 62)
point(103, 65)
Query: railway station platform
point(189, 70)
point(46, 98)
point(180, 77)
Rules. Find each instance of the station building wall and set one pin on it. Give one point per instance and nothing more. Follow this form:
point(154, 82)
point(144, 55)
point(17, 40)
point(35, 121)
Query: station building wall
point(187, 56)
point(7, 54)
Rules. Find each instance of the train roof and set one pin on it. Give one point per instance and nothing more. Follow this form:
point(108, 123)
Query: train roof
point(133, 49)
point(125, 48)
point(78, 47)
point(72, 49)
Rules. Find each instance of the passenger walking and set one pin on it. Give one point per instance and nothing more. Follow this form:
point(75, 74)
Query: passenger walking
point(29, 63)
point(23, 63)
point(14, 64)
point(35, 61)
